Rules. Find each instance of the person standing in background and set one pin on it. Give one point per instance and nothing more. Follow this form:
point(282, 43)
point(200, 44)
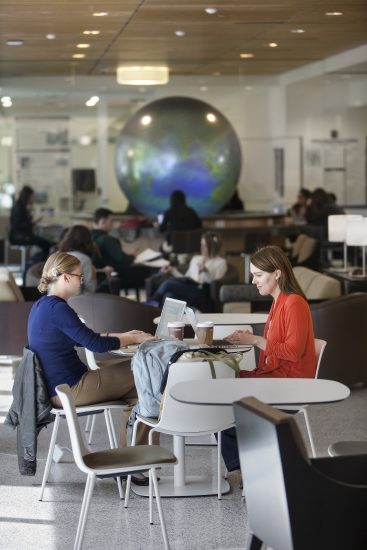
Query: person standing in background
point(179, 217)
point(22, 224)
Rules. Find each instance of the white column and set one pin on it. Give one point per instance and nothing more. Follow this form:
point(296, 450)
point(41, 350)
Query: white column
point(102, 152)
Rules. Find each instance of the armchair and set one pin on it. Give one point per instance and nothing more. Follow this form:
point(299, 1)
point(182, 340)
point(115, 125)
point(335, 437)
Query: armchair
point(294, 502)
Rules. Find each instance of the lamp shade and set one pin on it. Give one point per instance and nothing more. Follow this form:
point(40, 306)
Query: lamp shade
point(142, 75)
point(337, 226)
point(357, 232)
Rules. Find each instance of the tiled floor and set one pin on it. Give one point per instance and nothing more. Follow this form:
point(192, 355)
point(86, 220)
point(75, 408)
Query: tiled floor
point(201, 523)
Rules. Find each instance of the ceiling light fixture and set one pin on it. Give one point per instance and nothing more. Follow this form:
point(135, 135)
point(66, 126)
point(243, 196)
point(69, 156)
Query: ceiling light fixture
point(246, 55)
point(180, 33)
point(142, 75)
point(91, 32)
point(50, 36)
point(78, 55)
point(100, 13)
point(273, 45)
point(298, 31)
point(334, 13)
point(83, 46)
point(14, 42)
point(92, 102)
point(211, 11)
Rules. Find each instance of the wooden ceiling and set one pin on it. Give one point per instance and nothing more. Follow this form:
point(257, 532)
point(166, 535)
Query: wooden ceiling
point(143, 32)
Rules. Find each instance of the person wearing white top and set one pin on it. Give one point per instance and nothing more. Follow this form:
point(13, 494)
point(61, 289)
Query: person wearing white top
point(203, 269)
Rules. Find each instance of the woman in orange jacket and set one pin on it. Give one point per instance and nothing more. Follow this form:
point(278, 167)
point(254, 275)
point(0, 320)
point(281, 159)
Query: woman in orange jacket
point(288, 344)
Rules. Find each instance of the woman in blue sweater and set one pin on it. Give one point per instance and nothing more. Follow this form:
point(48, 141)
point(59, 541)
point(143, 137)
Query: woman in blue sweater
point(54, 329)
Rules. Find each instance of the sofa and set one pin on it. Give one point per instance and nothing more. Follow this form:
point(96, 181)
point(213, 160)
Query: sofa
point(245, 298)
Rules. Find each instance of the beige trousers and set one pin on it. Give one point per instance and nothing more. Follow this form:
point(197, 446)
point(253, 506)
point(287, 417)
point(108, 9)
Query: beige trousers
point(114, 381)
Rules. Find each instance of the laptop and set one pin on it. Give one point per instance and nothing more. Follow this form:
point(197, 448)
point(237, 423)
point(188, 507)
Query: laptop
point(173, 310)
point(217, 343)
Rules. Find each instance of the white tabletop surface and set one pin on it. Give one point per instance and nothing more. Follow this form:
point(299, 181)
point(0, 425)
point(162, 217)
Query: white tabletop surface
point(274, 391)
point(229, 318)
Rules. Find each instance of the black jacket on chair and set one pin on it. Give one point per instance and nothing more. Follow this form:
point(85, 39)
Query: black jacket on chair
point(30, 410)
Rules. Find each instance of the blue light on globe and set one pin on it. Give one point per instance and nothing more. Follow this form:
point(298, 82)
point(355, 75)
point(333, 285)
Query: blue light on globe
point(178, 143)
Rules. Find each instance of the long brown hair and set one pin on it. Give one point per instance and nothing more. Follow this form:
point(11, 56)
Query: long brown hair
point(271, 258)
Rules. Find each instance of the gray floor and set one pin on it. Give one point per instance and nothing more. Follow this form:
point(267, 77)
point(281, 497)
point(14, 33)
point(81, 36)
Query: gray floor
point(193, 523)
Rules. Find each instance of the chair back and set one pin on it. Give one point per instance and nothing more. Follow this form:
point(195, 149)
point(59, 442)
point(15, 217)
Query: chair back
point(342, 337)
point(9, 290)
point(189, 418)
point(109, 313)
point(77, 443)
point(320, 345)
point(221, 331)
point(261, 463)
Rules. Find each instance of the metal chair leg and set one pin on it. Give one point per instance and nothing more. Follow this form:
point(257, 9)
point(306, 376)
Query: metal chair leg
point(159, 506)
point(84, 511)
point(50, 454)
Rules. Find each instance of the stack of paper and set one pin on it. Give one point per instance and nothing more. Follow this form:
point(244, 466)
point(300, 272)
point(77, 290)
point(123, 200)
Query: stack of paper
point(151, 258)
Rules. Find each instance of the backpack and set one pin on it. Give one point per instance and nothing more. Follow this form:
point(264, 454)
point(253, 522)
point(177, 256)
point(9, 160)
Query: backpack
point(149, 365)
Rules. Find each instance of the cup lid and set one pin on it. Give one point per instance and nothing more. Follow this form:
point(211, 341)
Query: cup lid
point(175, 324)
point(205, 324)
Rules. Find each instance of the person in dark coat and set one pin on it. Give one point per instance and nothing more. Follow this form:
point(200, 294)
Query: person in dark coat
point(179, 216)
point(22, 224)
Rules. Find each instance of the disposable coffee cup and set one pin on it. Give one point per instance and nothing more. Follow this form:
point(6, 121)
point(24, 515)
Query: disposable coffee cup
point(205, 332)
point(176, 330)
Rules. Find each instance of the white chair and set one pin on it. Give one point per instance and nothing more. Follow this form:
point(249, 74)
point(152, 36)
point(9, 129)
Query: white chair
point(118, 404)
point(111, 463)
point(320, 346)
point(181, 420)
point(90, 411)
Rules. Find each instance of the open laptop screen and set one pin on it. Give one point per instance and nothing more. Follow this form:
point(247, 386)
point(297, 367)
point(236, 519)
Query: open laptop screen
point(173, 310)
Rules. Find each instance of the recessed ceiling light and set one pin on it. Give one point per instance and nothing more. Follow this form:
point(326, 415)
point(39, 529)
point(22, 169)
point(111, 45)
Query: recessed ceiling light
point(298, 31)
point(91, 32)
point(78, 55)
point(211, 11)
point(273, 45)
point(334, 13)
point(83, 46)
point(15, 42)
point(246, 55)
point(50, 36)
point(100, 13)
point(180, 33)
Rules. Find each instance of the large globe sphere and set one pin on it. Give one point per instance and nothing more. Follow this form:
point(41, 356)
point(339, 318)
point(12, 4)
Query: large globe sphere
point(178, 143)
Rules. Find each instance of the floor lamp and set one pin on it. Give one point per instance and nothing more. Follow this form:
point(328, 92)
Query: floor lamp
point(357, 236)
point(337, 232)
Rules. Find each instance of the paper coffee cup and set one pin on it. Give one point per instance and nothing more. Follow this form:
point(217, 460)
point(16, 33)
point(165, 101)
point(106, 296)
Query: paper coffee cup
point(176, 330)
point(205, 332)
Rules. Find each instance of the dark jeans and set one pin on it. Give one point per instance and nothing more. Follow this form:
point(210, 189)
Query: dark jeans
point(184, 289)
point(230, 449)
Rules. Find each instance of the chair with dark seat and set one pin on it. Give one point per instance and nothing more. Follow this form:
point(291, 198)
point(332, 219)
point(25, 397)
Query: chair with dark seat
point(342, 322)
point(294, 503)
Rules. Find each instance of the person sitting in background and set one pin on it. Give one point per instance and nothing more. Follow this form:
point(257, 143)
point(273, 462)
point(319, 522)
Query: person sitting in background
point(77, 241)
point(299, 208)
point(179, 217)
point(235, 204)
point(54, 329)
point(203, 269)
point(321, 206)
point(22, 224)
point(288, 345)
point(111, 254)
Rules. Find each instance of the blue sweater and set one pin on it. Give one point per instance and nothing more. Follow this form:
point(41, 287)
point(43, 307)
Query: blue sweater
point(54, 329)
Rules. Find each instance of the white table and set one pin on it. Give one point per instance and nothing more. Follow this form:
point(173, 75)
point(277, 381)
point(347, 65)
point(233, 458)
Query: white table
point(274, 391)
point(223, 392)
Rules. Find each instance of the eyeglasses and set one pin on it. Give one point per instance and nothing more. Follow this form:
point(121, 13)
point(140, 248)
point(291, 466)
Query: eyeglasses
point(76, 275)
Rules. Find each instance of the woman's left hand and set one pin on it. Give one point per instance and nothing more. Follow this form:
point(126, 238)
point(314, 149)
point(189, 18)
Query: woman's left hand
point(240, 337)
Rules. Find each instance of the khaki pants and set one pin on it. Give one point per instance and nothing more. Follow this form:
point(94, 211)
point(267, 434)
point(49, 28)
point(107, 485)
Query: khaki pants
point(114, 381)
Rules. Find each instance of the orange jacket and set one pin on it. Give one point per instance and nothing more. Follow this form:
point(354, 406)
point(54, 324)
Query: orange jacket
point(290, 348)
